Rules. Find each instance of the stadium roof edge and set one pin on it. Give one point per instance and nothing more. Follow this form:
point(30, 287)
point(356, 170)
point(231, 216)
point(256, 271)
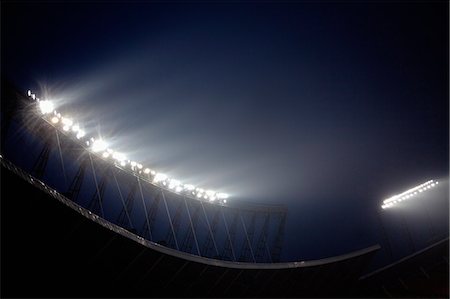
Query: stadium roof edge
point(169, 251)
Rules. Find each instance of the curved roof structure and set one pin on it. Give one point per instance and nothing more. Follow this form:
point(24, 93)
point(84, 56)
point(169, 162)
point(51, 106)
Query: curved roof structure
point(190, 273)
point(59, 239)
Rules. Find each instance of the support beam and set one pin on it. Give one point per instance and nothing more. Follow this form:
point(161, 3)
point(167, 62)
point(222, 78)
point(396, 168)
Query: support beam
point(40, 164)
point(247, 250)
point(210, 240)
point(171, 237)
point(261, 247)
point(228, 249)
point(191, 236)
point(74, 189)
point(128, 205)
point(152, 212)
point(278, 244)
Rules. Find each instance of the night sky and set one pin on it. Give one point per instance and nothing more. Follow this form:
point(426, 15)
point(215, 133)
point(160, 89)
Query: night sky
point(327, 108)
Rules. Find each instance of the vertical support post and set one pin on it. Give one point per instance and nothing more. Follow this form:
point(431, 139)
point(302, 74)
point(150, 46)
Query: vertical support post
point(42, 160)
point(190, 233)
point(210, 240)
point(247, 246)
point(145, 206)
point(278, 245)
point(126, 207)
point(170, 218)
point(228, 247)
point(75, 186)
point(261, 247)
point(61, 158)
point(98, 191)
point(210, 230)
point(148, 229)
point(176, 226)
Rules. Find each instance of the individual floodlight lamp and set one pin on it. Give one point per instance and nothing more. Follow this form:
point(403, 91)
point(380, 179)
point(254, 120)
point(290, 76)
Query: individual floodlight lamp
point(159, 177)
point(99, 145)
point(46, 106)
point(80, 134)
point(222, 195)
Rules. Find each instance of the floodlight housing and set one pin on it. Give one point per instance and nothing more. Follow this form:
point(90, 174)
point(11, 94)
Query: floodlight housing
point(406, 195)
point(99, 145)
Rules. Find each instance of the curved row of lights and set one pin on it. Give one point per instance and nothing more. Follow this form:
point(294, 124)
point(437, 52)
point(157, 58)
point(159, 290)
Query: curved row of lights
point(408, 194)
point(99, 146)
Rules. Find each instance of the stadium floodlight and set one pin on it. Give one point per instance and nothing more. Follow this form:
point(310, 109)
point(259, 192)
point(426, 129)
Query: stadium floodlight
point(173, 184)
point(67, 121)
point(119, 157)
point(80, 134)
point(46, 106)
point(99, 145)
point(159, 177)
point(189, 187)
point(222, 195)
point(413, 192)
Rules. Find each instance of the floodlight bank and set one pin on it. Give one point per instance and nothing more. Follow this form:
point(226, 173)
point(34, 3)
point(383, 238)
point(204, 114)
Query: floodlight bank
point(408, 194)
point(99, 146)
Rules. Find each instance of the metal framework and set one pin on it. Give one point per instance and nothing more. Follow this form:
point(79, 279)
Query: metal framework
point(233, 232)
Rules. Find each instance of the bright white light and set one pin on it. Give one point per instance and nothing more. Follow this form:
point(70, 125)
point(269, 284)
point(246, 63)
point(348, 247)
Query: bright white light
point(66, 128)
point(147, 171)
point(76, 128)
point(55, 120)
point(139, 166)
point(408, 194)
point(33, 96)
point(224, 201)
point(29, 93)
point(123, 163)
point(173, 183)
point(189, 187)
point(105, 155)
point(133, 164)
point(67, 121)
point(222, 195)
point(179, 189)
point(81, 134)
point(99, 145)
point(46, 107)
point(159, 177)
point(119, 157)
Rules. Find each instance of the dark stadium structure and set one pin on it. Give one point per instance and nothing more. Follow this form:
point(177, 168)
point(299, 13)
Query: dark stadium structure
point(75, 224)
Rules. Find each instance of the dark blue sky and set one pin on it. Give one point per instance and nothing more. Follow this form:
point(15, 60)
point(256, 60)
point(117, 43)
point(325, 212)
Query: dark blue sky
point(327, 108)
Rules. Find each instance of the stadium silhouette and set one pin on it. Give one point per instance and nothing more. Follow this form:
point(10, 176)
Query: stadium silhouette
point(76, 222)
